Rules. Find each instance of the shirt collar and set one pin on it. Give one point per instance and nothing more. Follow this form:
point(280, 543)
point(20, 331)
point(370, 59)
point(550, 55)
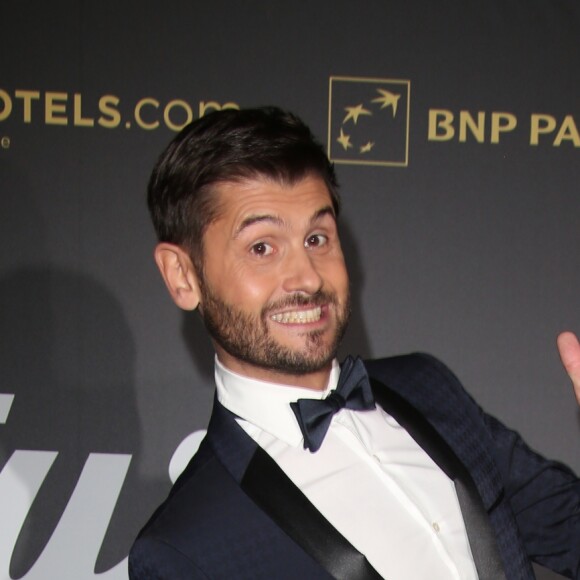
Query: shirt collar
point(267, 405)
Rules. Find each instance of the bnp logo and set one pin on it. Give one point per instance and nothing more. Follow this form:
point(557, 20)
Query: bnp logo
point(368, 121)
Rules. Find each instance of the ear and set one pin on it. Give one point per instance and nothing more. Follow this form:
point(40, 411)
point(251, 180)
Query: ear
point(179, 275)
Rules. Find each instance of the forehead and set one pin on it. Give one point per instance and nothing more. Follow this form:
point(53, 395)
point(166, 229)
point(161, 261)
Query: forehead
point(239, 199)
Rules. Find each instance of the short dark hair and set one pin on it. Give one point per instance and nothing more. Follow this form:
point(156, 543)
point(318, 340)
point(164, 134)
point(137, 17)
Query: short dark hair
point(225, 146)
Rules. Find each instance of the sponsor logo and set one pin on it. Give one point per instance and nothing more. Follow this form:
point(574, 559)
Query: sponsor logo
point(105, 111)
point(493, 126)
point(369, 124)
point(368, 121)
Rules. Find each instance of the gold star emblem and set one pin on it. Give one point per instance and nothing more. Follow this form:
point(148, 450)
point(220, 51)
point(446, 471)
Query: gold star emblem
point(354, 113)
point(387, 99)
point(344, 140)
point(367, 147)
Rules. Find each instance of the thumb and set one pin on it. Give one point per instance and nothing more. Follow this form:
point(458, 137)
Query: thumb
point(569, 349)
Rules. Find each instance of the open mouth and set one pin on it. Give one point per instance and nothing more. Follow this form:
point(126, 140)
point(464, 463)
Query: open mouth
point(298, 316)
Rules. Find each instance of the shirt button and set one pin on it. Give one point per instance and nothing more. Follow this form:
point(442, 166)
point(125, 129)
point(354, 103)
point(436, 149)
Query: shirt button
point(377, 458)
point(436, 527)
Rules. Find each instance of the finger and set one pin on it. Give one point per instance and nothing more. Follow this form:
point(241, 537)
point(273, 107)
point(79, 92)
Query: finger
point(569, 349)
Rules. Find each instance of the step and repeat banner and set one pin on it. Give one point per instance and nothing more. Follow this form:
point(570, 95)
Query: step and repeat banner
point(455, 129)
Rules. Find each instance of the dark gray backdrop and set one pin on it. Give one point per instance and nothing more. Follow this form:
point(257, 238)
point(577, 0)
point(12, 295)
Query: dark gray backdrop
point(469, 251)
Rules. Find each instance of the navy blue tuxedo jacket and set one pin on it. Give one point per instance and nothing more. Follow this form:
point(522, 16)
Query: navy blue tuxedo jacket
point(234, 514)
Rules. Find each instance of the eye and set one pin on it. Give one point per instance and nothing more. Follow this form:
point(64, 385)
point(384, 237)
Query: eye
point(261, 249)
point(316, 241)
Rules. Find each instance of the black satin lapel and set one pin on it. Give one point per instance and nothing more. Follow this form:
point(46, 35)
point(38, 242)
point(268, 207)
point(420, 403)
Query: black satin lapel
point(275, 493)
point(479, 531)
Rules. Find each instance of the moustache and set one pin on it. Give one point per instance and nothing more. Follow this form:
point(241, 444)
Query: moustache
point(320, 298)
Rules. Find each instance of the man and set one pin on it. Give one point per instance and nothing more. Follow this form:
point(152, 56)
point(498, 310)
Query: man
point(308, 470)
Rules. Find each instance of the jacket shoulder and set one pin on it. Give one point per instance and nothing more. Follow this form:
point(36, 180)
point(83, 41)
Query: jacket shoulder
point(411, 374)
point(204, 513)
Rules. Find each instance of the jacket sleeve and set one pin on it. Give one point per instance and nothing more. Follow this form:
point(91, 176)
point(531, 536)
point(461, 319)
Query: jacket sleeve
point(545, 498)
point(543, 495)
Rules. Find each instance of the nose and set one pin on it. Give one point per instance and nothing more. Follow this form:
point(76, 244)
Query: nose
point(300, 273)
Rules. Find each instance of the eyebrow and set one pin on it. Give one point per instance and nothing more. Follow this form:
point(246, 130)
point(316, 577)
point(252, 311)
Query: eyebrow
point(255, 219)
point(326, 210)
point(273, 219)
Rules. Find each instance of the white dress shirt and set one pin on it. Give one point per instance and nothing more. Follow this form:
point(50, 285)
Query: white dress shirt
point(369, 479)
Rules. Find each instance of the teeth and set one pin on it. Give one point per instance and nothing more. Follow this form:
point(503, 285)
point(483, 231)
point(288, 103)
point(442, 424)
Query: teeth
point(298, 316)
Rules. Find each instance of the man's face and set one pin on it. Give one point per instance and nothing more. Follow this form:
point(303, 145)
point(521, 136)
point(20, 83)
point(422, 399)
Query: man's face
point(274, 292)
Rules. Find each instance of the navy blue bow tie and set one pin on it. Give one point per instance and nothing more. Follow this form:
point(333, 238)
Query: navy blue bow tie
point(353, 392)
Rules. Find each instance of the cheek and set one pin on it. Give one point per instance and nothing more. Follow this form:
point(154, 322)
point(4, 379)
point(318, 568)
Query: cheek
point(337, 275)
point(249, 288)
